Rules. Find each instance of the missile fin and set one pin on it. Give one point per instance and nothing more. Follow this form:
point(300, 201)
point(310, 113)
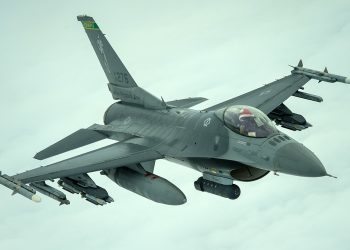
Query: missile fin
point(300, 64)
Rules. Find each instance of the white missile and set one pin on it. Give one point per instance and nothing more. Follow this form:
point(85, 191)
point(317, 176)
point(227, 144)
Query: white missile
point(19, 187)
point(51, 192)
point(319, 75)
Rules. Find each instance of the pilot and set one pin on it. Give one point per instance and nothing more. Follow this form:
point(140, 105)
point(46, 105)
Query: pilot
point(248, 125)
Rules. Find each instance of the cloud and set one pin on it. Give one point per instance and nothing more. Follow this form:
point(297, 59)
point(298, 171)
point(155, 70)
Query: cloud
point(52, 85)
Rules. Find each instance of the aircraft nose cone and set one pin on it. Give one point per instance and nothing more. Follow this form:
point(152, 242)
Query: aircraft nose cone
point(296, 159)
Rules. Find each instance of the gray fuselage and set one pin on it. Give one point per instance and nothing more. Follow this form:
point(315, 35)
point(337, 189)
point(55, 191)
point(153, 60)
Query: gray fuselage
point(200, 140)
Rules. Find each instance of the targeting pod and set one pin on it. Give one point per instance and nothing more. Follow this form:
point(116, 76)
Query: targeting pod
point(19, 187)
point(228, 191)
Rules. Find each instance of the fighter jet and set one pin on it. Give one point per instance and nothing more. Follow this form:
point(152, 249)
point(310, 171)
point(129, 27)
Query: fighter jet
point(236, 140)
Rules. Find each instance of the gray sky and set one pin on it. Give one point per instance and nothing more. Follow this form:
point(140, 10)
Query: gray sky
point(51, 84)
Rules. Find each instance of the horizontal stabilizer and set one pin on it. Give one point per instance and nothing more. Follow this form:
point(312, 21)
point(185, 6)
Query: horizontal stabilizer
point(188, 102)
point(78, 139)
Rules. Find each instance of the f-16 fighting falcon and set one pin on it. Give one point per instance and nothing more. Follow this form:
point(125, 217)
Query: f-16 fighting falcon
point(236, 140)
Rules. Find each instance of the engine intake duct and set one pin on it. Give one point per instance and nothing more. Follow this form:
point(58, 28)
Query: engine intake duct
point(284, 117)
point(228, 191)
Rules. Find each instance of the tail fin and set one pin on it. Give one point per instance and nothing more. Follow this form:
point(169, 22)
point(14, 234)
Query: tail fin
point(113, 67)
point(121, 84)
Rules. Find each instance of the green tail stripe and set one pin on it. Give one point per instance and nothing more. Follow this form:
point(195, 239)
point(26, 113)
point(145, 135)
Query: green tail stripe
point(90, 25)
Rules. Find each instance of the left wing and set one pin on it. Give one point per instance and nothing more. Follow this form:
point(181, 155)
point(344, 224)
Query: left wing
point(136, 153)
point(271, 96)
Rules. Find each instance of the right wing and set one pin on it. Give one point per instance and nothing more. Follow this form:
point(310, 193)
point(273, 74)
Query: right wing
point(268, 97)
point(121, 84)
point(272, 95)
point(124, 153)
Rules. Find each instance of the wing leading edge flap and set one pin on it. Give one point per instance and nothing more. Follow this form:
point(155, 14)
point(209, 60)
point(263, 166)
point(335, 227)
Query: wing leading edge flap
point(116, 155)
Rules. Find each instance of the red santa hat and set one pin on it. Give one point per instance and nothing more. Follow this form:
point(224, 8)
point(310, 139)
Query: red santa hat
point(245, 112)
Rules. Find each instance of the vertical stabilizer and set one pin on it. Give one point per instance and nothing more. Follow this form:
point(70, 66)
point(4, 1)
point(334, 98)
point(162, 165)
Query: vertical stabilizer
point(113, 67)
point(121, 84)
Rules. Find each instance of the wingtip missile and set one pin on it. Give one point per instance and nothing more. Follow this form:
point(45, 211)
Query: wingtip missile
point(321, 76)
point(19, 188)
point(300, 65)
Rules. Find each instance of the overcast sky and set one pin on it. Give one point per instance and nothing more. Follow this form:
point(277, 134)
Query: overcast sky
point(51, 84)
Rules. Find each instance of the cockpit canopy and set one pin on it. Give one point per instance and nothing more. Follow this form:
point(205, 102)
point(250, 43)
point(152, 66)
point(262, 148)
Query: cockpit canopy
point(248, 121)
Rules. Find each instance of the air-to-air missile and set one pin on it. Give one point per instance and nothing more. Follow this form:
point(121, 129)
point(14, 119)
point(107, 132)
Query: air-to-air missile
point(93, 199)
point(19, 187)
point(148, 185)
point(68, 187)
point(51, 192)
point(95, 195)
point(319, 75)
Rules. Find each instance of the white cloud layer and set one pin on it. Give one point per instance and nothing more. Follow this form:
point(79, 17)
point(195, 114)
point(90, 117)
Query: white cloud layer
point(51, 84)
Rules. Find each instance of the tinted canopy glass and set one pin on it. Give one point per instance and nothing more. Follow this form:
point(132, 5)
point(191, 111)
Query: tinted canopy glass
point(248, 121)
